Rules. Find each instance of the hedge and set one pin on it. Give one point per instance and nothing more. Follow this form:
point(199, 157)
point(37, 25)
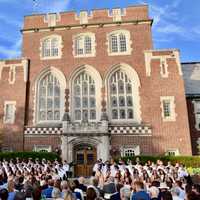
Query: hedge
point(27, 155)
point(188, 161)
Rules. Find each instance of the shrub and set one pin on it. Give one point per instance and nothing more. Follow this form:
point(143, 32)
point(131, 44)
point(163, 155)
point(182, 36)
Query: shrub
point(188, 161)
point(27, 155)
point(193, 171)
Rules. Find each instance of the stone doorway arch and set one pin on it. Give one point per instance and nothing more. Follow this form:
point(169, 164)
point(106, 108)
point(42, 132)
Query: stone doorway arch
point(100, 143)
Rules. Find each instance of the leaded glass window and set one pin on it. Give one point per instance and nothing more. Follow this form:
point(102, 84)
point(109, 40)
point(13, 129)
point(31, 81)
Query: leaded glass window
point(118, 43)
point(49, 98)
point(84, 97)
point(166, 108)
point(83, 45)
point(50, 47)
point(121, 96)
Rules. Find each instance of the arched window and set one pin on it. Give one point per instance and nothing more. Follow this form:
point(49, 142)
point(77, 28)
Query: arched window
point(121, 96)
point(119, 42)
point(51, 47)
point(49, 99)
point(84, 45)
point(84, 98)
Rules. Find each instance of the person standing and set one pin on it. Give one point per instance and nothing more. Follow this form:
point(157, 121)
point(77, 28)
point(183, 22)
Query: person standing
point(139, 193)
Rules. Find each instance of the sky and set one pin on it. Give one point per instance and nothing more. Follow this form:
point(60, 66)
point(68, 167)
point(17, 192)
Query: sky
point(176, 22)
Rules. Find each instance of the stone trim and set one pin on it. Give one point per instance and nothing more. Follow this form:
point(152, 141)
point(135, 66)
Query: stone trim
point(172, 152)
point(92, 25)
point(42, 131)
point(63, 85)
point(13, 67)
point(163, 59)
point(25, 66)
point(128, 42)
point(85, 128)
point(11, 121)
point(134, 148)
point(98, 84)
point(117, 14)
point(130, 130)
point(173, 114)
point(83, 17)
point(197, 114)
point(60, 47)
point(12, 74)
point(133, 75)
point(52, 19)
point(93, 42)
point(38, 148)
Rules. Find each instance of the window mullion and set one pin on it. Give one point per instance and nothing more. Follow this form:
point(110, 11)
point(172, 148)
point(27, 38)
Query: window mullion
point(125, 97)
point(53, 97)
point(118, 43)
point(88, 99)
point(84, 44)
point(81, 98)
point(117, 95)
point(46, 97)
point(51, 50)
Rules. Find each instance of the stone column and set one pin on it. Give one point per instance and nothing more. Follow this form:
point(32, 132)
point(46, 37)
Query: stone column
point(103, 148)
point(67, 149)
point(64, 147)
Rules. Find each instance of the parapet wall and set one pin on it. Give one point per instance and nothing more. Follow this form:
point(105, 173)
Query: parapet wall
point(71, 18)
point(12, 70)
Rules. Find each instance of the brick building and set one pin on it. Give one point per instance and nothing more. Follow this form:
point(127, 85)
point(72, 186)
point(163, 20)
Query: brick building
point(191, 75)
point(91, 84)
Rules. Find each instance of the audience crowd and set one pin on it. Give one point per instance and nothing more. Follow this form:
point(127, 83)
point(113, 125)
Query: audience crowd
point(35, 180)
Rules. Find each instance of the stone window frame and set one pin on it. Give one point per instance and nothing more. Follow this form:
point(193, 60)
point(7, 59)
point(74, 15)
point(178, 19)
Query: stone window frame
point(172, 152)
point(12, 74)
point(60, 46)
point(93, 45)
point(128, 42)
point(164, 68)
point(12, 120)
point(133, 76)
point(98, 85)
point(61, 77)
point(38, 148)
point(171, 100)
point(197, 114)
point(84, 77)
point(131, 149)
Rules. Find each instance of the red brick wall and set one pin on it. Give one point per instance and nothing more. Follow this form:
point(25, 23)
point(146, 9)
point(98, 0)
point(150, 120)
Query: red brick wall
point(102, 62)
point(165, 134)
point(53, 141)
point(100, 15)
point(12, 134)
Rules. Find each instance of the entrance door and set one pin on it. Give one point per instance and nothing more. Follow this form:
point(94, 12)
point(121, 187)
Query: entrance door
point(85, 157)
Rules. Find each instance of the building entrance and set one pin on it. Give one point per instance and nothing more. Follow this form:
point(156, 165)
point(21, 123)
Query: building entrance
point(85, 156)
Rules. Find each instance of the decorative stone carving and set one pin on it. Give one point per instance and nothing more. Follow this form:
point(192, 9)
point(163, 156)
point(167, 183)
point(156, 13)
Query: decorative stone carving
point(85, 128)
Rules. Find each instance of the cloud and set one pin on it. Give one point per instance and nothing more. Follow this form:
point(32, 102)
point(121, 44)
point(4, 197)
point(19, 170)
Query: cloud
point(12, 51)
point(9, 21)
point(196, 30)
point(167, 23)
point(171, 29)
point(45, 6)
